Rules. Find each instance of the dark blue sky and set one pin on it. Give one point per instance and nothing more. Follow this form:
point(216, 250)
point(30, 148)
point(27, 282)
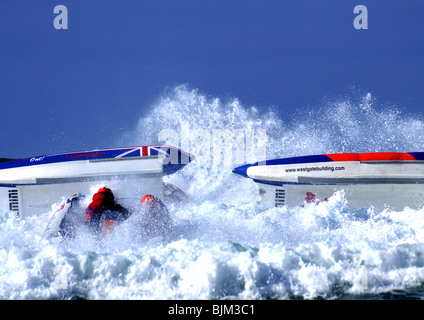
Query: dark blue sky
point(80, 88)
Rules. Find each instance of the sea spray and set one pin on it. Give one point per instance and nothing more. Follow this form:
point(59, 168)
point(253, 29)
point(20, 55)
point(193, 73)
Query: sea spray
point(225, 245)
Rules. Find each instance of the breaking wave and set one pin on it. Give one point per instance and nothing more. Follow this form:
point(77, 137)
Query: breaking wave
point(227, 245)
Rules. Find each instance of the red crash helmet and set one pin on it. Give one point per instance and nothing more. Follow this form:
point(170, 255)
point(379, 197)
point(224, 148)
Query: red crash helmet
point(106, 192)
point(149, 200)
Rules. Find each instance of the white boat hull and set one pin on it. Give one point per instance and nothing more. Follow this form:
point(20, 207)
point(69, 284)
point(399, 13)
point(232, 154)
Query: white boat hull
point(28, 200)
point(32, 186)
point(379, 196)
point(86, 170)
point(379, 180)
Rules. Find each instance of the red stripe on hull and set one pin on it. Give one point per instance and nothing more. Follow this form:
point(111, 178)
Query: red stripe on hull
point(374, 156)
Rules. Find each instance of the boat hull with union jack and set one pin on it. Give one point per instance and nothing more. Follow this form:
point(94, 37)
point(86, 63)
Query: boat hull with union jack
point(30, 186)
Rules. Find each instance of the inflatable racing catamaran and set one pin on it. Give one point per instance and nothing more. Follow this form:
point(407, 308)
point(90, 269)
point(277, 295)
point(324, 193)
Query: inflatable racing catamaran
point(382, 180)
point(31, 186)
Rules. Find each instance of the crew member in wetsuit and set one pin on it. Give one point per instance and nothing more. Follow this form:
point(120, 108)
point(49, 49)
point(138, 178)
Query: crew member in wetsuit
point(102, 209)
point(157, 220)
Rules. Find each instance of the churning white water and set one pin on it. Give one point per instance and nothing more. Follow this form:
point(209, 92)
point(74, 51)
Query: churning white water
point(225, 245)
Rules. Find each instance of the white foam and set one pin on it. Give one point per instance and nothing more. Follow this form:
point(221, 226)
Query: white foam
point(224, 244)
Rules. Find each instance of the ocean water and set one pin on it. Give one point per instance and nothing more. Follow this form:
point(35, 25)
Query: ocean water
point(224, 244)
